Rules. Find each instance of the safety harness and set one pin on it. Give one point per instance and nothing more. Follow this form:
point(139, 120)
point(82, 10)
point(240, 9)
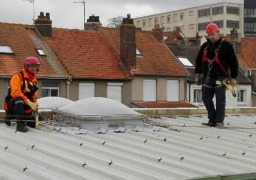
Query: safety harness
point(210, 61)
point(26, 88)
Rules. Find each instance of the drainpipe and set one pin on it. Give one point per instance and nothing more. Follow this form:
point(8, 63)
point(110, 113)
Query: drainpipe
point(68, 83)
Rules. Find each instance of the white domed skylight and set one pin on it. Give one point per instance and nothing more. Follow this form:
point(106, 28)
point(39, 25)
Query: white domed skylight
point(53, 102)
point(98, 106)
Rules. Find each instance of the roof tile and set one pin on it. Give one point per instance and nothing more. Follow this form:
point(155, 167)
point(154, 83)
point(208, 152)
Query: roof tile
point(23, 41)
point(156, 57)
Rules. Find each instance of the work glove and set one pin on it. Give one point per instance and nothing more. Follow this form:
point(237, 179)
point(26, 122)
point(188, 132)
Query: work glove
point(198, 80)
point(32, 105)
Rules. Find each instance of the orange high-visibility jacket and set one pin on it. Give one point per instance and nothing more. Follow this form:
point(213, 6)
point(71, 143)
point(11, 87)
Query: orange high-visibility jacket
point(16, 83)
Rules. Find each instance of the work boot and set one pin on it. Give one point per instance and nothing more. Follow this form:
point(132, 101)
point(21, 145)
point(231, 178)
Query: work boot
point(7, 121)
point(22, 126)
point(210, 124)
point(220, 125)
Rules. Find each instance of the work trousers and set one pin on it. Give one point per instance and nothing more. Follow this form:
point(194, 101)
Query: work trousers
point(16, 110)
point(209, 89)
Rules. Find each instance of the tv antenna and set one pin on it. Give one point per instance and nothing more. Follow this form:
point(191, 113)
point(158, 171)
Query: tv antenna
point(33, 2)
point(84, 7)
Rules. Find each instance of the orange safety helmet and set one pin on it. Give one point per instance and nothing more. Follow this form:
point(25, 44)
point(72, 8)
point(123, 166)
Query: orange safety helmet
point(31, 60)
point(211, 28)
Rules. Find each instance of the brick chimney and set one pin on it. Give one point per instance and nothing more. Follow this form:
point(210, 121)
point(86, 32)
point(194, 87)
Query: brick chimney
point(158, 33)
point(234, 39)
point(93, 23)
point(44, 25)
point(127, 43)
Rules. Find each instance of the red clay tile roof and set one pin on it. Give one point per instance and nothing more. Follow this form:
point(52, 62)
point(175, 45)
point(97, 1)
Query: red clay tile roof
point(248, 53)
point(85, 54)
point(23, 42)
point(156, 57)
point(164, 104)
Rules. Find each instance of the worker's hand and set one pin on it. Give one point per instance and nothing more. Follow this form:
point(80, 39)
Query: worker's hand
point(32, 105)
point(198, 80)
point(233, 82)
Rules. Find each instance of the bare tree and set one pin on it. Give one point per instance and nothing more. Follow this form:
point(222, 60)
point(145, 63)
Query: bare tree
point(115, 22)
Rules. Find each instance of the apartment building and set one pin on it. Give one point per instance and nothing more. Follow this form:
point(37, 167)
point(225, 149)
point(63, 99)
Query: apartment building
point(195, 19)
point(250, 17)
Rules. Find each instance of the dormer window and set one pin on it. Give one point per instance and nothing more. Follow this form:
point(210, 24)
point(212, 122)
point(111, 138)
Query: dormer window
point(40, 52)
point(138, 53)
point(4, 49)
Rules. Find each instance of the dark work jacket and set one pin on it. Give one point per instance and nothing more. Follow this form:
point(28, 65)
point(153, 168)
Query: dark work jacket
point(227, 58)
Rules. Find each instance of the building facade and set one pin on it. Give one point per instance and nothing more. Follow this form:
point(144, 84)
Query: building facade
point(195, 19)
point(250, 17)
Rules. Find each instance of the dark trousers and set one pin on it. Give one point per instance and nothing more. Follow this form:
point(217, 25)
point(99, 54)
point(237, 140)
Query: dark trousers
point(16, 107)
point(209, 89)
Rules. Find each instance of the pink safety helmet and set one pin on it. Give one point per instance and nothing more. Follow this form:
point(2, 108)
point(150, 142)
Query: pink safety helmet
point(211, 28)
point(31, 60)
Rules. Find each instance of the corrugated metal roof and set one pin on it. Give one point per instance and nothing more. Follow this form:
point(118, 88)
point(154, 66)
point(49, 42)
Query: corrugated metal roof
point(183, 150)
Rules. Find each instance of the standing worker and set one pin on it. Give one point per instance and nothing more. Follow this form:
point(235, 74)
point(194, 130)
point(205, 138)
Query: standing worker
point(22, 95)
point(216, 61)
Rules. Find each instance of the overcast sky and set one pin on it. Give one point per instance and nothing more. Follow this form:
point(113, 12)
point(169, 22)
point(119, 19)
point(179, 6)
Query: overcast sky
point(67, 14)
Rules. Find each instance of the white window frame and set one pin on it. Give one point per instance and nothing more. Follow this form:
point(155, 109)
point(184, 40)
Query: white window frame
point(149, 90)
point(51, 88)
point(197, 96)
point(116, 86)
point(244, 98)
point(4, 49)
point(173, 90)
point(90, 93)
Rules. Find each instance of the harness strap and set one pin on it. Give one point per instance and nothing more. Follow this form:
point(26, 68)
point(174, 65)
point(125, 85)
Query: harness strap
point(215, 59)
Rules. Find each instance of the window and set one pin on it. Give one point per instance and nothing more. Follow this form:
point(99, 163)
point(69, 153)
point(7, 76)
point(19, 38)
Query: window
point(149, 90)
point(50, 89)
point(156, 20)
point(181, 16)
point(202, 26)
point(250, 27)
point(185, 62)
point(40, 52)
point(217, 10)
point(197, 95)
point(114, 91)
point(168, 18)
point(144, 23)
point(6, 49)
point(173, 90)
point(203, 12)
point(219, 23)
point(138, 53)
point(232, 10)
point(86, 90)
point(250, 13)
point(241, 96)
point(191, 13)
point(233, 24)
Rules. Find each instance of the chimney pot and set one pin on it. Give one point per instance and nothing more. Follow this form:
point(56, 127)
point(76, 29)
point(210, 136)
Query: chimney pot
point(47, 15)
point(44, 25)
point(93, 23)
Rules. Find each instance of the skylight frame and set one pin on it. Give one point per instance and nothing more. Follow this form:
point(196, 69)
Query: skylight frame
point(138, 53)
point(5, 49)
point(185, 62)
point(40, 52)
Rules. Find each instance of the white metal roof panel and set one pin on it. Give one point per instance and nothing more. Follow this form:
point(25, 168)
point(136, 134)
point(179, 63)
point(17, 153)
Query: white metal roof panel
point(183, 150)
